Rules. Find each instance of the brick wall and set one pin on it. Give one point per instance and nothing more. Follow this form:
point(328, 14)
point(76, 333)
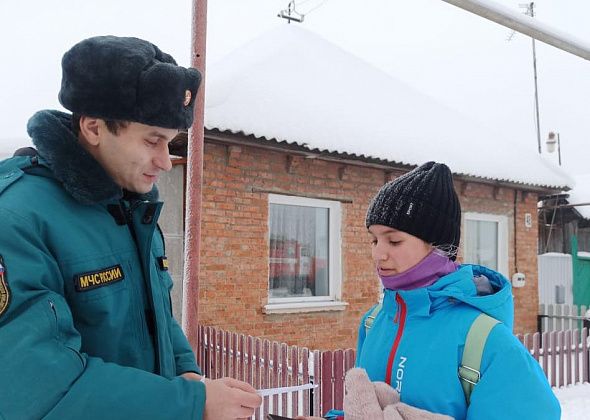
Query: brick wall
point(234, 248)
point(483, 198)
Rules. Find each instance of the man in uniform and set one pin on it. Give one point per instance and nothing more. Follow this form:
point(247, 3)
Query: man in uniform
point(86, 326)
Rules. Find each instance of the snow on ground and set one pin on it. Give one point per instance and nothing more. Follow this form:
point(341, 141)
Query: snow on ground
point(575, 401)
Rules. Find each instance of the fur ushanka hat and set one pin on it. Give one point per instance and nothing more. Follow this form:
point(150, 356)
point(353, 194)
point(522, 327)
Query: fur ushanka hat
point(423, 203)
point(128, 79)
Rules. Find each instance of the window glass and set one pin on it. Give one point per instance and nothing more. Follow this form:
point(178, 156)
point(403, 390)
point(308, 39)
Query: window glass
point(482, 243)
point(298, 251)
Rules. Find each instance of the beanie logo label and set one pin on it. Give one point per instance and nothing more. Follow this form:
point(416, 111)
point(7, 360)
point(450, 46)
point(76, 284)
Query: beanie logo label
point(410, 207)
point(187, 97)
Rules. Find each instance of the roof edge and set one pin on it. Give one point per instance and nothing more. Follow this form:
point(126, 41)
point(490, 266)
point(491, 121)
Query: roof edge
point(240, 138)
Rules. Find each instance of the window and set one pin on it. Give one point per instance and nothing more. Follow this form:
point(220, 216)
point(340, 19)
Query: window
point(485, 241)
point(304, 254)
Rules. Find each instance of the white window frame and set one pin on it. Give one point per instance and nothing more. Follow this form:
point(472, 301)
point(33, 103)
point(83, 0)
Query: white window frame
point(314, 303)
point(502, 236)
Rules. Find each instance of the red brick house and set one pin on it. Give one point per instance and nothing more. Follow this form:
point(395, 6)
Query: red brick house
point(300, 135)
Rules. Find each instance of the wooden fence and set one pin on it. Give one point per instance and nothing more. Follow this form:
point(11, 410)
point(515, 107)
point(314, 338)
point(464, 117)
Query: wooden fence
point(563, 356)
point(555, 317)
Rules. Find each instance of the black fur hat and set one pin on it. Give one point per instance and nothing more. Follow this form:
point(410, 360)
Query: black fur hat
point(128, 79)
point(423, 203)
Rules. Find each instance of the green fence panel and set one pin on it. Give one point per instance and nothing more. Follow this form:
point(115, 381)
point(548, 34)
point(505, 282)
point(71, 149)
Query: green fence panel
point(581, 281)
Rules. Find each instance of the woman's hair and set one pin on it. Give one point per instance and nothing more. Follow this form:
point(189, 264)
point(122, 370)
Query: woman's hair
point(448, 250)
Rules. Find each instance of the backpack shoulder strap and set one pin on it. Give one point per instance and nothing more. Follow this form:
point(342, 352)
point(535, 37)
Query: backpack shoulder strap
point(374, 312)
point(469, 371)
point(371, 317)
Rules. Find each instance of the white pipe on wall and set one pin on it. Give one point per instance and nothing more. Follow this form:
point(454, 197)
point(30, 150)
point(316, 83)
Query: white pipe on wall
point(525, 25)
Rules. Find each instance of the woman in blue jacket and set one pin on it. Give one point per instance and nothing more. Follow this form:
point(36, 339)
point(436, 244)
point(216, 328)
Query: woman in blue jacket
point(415, 340)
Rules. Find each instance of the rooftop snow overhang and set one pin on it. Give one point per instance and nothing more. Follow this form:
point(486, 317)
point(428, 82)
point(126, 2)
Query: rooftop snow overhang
point(274, 95)
point(179, 147)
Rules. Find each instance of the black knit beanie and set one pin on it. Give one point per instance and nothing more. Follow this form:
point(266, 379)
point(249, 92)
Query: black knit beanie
point(128, 79)
point(423, 203)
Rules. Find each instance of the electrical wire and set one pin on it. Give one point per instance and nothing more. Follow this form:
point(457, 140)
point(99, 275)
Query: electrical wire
point(303, 2)
point(315, 8)
point(292, 8)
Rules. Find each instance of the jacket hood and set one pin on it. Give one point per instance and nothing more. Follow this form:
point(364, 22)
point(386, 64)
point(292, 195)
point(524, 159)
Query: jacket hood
point(80, 174)
point(460, 286)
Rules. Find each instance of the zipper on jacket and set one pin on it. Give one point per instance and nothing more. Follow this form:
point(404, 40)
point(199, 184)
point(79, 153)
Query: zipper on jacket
point(58, 333)
point(52, 306)
point(400, 317)
point(149, 315)
point(128, 211)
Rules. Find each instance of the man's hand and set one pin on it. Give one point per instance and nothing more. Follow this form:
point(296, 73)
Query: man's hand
point(191, 376)
point(230, 399)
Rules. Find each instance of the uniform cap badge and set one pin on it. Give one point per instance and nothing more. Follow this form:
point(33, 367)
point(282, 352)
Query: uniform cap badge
point(187, 97)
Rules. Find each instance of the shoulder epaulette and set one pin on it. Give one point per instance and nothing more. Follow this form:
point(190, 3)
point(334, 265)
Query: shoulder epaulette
point(9, 178)
point(12, 169)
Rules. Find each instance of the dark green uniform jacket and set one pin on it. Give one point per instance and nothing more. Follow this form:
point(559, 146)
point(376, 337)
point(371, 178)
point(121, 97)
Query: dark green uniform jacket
point(86, 328)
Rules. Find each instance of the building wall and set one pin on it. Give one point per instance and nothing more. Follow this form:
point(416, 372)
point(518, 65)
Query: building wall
point(171, 187)
point(489, 199)
point(234, 248)
point(526, 299)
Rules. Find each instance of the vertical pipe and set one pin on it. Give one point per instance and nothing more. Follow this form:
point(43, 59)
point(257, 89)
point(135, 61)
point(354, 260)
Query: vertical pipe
point(190, 300)
point(536, 99)
point(515, 222)
point(532, 11)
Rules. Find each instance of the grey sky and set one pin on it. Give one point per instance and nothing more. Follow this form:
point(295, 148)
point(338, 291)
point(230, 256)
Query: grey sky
point(452, 55)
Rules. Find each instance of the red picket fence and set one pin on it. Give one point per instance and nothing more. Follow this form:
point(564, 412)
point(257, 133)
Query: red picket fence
point(269, 364)
point(563, 355)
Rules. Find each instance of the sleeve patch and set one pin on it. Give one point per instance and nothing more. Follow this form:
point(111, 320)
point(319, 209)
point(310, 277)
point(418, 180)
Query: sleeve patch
point(4, 289)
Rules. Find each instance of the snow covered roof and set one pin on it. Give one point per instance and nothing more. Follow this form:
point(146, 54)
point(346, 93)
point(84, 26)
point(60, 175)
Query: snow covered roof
point(581, 194)
point(292, 85)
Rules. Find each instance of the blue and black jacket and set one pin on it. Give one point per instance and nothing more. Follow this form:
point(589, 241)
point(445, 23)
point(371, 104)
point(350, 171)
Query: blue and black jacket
point(416, 345)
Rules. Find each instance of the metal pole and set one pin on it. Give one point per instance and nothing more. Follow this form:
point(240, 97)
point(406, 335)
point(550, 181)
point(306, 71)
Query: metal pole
point(190, 296)
point(532, 10)
point(524, 24)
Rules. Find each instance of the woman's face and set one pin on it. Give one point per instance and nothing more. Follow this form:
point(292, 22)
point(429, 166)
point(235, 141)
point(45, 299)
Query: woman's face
point(395, 251)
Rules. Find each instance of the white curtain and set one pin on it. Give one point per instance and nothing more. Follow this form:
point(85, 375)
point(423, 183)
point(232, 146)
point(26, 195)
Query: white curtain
point(299, 243)
point(482, 243)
